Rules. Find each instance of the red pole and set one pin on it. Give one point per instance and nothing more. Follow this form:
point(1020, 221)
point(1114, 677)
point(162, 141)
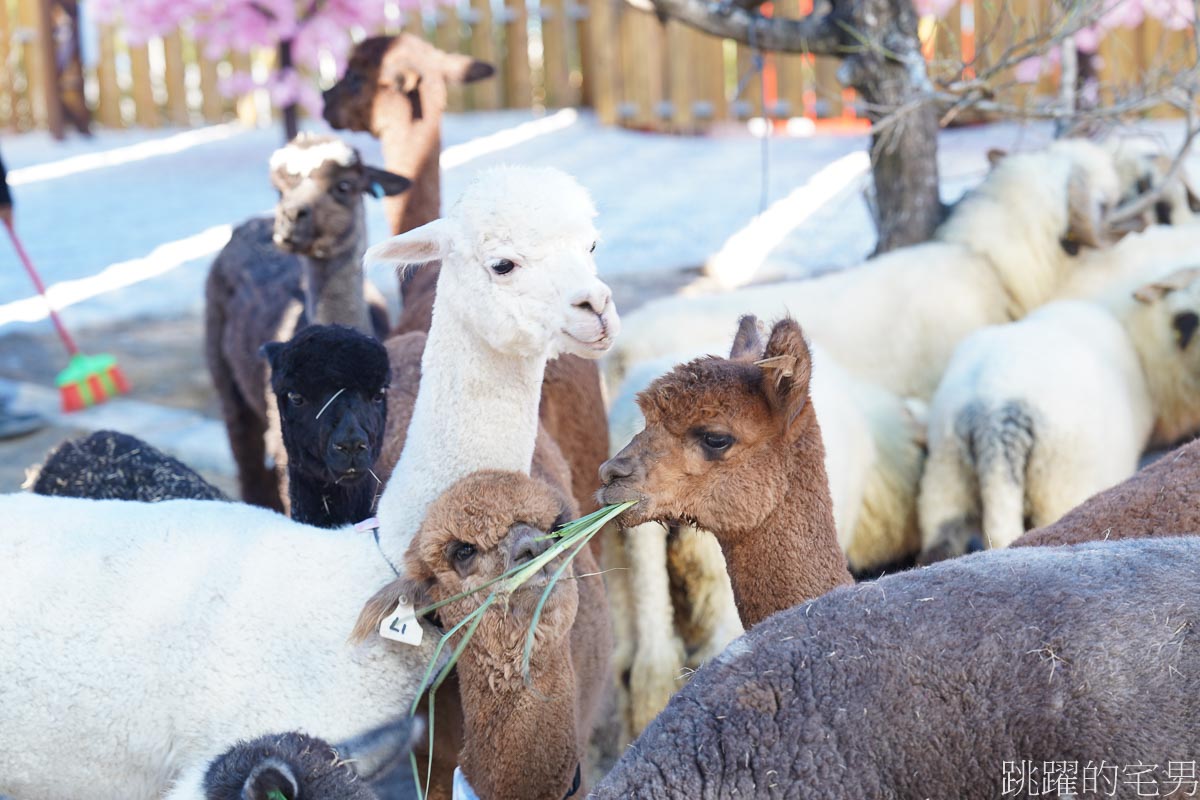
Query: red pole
point(41, 288)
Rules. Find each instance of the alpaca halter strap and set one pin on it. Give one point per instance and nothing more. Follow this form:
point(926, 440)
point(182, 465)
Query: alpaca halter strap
point(372, 524)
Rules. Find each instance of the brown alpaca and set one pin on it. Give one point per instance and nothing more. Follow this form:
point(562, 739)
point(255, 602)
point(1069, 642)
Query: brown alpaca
point(732, 446)
point(394, 87)
point(1159, 500)
point(273, 277)
point(514, 740)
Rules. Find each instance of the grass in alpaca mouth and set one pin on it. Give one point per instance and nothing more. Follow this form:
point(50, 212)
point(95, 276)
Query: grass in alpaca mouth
point(572, 537)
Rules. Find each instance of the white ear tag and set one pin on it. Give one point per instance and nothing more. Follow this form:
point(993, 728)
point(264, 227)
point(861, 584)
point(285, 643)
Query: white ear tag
point(401, 625)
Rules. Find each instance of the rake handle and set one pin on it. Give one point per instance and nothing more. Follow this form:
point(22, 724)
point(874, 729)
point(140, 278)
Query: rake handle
point(41, 288)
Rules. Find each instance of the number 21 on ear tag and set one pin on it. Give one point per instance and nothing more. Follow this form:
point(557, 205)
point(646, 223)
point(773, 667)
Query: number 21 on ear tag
point(401, 625)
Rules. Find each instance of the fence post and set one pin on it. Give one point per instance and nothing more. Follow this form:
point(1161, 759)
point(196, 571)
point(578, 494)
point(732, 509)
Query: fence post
point(600, 72)
point(555, 69)
point(175, 79)
point(484, 94)
point(517, 89)
point(447, 36)
point(145, 109)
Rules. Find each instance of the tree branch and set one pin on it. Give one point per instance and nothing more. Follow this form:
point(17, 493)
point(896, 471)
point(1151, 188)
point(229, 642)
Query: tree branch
point(820, 35)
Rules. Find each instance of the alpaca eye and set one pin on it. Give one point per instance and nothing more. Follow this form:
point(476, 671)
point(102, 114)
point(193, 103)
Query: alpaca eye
point(593, 248)
point(295, 398)
point(502, 266)
point(379, 398)
point(716, 441)
point(462, 552)
point(344, 187)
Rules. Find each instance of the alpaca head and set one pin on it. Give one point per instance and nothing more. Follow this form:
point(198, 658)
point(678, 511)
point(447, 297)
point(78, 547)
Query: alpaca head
point(330, 383)
point(296, 766)
point(321, 181)
point(517, 265)
point(482, 526)
point(394, 82)
point(720, 437)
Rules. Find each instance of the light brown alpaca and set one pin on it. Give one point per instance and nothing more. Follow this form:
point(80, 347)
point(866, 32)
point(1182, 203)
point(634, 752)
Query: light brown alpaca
point(733, 447)
point(514, 740)
point(394, 87)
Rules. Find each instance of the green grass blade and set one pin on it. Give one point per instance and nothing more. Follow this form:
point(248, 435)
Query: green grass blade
point(541, 603)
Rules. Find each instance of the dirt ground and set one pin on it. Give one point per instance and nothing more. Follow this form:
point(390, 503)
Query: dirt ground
point(164, 361)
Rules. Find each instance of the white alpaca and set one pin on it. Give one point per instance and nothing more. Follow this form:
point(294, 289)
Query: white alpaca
point(1033, 418)
point(142, 639)
point(1142, 165)
point(895, 319)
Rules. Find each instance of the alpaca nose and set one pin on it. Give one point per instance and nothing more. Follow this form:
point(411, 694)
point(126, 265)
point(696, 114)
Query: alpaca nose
point(298, 214)
point(351, 445)
point(617, 467)
point(527, 544)
point(594, 299)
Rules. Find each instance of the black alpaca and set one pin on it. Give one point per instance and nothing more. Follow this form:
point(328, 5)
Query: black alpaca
point(330, 384)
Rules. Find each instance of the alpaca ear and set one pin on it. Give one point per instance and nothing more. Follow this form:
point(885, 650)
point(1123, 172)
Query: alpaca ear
point(747, 342)
point(430, 242)
point(270, 351)
point(463, 69)
point(995, 155)
point(786, 367)
point(381, 183)
point(271, 779)
point(407, 81)
point(416, 592)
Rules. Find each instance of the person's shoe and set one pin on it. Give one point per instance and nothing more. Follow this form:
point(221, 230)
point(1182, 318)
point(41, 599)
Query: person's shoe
point(14, 425)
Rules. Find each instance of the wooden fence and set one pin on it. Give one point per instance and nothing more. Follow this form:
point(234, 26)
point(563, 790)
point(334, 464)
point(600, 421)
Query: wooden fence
point(604, 54)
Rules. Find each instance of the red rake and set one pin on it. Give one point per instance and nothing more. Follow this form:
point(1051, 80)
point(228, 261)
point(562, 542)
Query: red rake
point(87, 380)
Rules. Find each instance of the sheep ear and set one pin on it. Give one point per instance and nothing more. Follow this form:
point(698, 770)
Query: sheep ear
point(747, 342)
point(1084, 224)
point(1179, 279)
point(270, 351)
point(430, 242)
point(786, 366)
point(381, 183)
point(463, 69)
point(380, 748)
point(271, 779)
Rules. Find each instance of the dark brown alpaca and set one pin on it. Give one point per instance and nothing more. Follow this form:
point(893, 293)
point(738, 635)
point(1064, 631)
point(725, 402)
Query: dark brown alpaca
point(1159, 500)
point(733, 447)
point(394, 87)
point(273, 277)
point(514, 740)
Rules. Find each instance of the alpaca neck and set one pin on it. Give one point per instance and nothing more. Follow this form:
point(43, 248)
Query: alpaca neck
point(333, 287)
point(476, 408)
point(793, 556)
point(414, 152)
point(536, 723)
point(329, 505)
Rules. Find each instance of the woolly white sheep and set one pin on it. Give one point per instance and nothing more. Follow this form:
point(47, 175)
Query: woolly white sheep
point(143, 638)
point(1033, 418)
point(1004, 250)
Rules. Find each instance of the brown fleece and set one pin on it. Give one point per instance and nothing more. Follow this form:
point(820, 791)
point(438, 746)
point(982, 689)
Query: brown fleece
point(1159, 500)
point(765, 496)
point(518, 741)
point(572, 407)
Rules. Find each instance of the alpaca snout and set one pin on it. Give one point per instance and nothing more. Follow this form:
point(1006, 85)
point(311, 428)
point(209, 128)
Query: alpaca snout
point(526, 543)
point(295, 230)
point(617, 468)
point(349, 453)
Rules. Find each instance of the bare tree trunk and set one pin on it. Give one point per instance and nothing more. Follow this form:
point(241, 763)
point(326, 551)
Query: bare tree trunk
point(877, 41)
point(887, 69)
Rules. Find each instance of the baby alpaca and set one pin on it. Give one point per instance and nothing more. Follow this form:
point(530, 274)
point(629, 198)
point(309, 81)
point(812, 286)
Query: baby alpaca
point(107, 465)
point(257, 294)
point(1034, 417)
point(330, 384)
point(733, 447)
point(520, 739)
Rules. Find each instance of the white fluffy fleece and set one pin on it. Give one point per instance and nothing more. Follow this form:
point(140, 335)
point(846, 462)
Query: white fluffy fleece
point(302, 157)
point(143, 639)
point(895, 319)
point(1033, 418)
